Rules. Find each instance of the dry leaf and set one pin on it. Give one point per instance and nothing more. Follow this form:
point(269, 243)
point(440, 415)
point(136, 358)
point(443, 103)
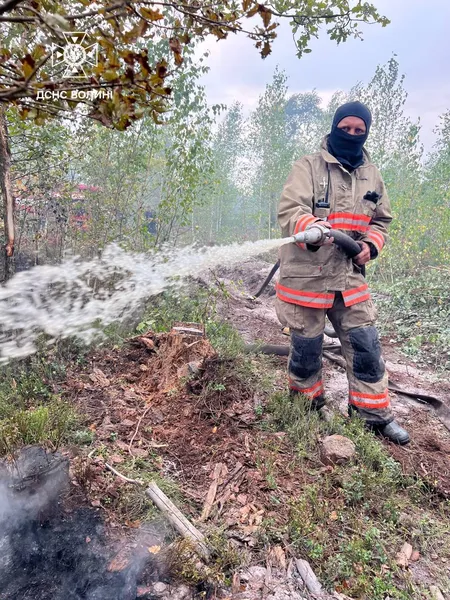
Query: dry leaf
point(333, 516)
point(96, 503)
point(402, 559)
point(99, 378)
point(278, 557)
point(415, 556)
point(88, 539)
point(154, 549)
point(115, 459)
point(133, 524)
point(149, 344)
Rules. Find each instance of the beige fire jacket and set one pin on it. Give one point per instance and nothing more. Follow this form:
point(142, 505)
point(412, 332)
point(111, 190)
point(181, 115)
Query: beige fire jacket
point(311, 278)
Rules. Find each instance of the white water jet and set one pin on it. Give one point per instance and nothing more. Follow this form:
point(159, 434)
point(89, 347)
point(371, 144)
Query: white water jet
point(75, 297)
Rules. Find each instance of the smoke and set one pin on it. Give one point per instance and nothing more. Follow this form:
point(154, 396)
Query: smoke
point(49, 553)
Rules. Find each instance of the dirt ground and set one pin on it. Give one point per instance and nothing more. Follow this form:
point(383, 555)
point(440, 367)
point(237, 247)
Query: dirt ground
point(168, 405)
point(429, 452)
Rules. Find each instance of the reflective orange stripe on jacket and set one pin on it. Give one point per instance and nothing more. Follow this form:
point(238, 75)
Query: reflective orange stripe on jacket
point(356, 295)
point(309, 299)
point(376, 238)
point(349, 221)
point(302, 224)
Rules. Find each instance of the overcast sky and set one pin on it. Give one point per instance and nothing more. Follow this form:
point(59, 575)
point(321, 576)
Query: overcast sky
point(419, 34)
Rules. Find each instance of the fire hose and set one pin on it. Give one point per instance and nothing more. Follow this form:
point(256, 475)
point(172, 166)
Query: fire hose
point(315, 234)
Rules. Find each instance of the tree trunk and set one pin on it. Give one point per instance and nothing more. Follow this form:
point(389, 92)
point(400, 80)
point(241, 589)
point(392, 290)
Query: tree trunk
point(8, 198)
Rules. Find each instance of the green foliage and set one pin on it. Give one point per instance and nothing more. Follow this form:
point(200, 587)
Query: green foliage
point(415, 314)
point(49, 423)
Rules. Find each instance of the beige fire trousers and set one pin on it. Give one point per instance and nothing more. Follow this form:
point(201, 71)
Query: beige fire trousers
point(366, 373)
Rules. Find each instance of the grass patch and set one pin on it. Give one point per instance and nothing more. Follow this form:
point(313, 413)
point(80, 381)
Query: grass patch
point(415, 313)
point(349, 522)
point(48, 424)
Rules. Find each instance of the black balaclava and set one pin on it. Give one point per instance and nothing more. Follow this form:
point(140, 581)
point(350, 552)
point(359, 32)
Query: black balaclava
point(347, 148)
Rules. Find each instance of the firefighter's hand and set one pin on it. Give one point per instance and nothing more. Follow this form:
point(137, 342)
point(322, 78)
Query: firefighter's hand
point(364, 256)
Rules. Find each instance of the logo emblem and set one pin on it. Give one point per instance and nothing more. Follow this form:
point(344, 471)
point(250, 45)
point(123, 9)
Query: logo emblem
point(74, 55)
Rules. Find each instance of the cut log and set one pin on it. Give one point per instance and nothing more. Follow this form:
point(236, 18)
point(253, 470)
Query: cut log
point(177, 519)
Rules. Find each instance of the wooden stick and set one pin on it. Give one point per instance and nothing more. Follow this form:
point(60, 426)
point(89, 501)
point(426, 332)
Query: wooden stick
point(137, 428)
point(211, 496)
point(309, 577)
point(335, 358)
point(177, 519)
point(127, 479)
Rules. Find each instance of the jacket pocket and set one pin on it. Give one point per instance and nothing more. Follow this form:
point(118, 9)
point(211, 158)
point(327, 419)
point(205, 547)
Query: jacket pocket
point(301, 270)
point(368, 208)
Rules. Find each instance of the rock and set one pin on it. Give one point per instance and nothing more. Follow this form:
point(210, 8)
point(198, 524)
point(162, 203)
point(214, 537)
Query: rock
point(436, 593)
point(143, 591)
point(159, 588)
point(181, 592)
point(308, 576)
point(415, 556)
point(336, 450)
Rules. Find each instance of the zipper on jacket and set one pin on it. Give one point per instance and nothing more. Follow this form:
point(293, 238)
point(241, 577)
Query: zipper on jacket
point(353, 176)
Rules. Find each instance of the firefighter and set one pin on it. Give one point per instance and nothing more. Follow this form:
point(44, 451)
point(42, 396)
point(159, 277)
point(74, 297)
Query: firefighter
point(341, 188)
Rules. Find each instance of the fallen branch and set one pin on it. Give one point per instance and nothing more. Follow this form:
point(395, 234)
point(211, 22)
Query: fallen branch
point(137, 429)
point(309, 578)
point(177, 519)
point(171, 512)
point(127, 479)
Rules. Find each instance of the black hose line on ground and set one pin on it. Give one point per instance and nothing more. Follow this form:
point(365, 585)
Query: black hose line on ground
point(268, 279)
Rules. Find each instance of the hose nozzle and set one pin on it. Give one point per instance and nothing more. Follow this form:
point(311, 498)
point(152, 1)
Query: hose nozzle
point(315, 234)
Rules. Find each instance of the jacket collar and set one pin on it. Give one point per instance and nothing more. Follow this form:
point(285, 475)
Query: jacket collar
point(329, 158)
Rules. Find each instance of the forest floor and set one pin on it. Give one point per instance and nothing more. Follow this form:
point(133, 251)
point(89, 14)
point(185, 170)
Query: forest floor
point(214, 427)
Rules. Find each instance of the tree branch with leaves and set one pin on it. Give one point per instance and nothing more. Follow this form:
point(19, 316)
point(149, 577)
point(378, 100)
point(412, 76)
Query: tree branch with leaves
point(139, 78)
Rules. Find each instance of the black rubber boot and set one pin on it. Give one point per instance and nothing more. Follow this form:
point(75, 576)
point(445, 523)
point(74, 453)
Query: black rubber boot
point(393, 432)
